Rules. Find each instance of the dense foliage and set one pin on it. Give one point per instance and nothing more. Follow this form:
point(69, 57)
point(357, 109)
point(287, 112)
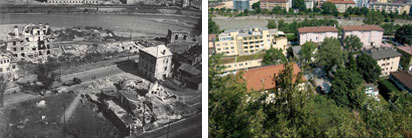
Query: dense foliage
point(368, 68)
point(274, 56)
point(330, 54)
point(404, 34)
point(213, 27)
point(293, 112)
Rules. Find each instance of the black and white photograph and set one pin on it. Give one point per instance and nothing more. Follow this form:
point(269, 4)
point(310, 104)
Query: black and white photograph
point(100, 69)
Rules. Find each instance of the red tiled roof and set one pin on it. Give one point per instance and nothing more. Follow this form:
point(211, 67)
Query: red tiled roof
point(404, 77)
point(318, 29)
point(263, 78)
point(406, 49)
point(274, 1)
point(342, 1)
point(362, 28)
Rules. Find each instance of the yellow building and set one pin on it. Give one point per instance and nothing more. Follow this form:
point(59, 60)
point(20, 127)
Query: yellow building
point(249, 41)
point(270, 4)
point(399, 8)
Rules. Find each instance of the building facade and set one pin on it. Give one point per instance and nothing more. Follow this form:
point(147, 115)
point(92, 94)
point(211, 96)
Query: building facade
point(72, 1)
point(242, 65)
point(270, 4)
point(399, 8)
point(370, 35)
point(316, 34)
point(241, 5)
point(155, 63)
point(178, 36)
point(406, 59)
point(33, 42)
point(249, 41)
point(309, 4)
point(387, 59)
point(342, 5)
point(5, 64)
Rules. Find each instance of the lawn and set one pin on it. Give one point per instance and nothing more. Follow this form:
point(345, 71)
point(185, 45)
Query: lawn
point(226, 60)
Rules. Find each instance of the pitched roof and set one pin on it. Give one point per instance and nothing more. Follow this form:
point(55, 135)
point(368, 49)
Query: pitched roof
point(342, 1)
point(406, 49)
point(274, 1)
point(158, 51)
point(403, 77)
point(263, 78)
point(190, 69)
point(318, 29)
point(381, 53)
point(362, 28)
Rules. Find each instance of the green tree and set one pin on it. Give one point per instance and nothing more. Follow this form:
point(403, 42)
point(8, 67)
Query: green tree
point(329, 8)
point(368, 68)
point(308, 52)
point(256, 5)
point(347, 88)
point(330, 54)
point(271, 24)
point(274, 56)
point(213, 27)
point(375, 18)
point(404, 34)
point(299, 4)
point(352, 43)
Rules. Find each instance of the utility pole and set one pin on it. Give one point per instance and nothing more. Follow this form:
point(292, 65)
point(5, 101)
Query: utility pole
point(64, 121)
point(168, 127)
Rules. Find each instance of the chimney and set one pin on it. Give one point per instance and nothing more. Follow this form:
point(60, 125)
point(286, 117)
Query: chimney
point(16, 31)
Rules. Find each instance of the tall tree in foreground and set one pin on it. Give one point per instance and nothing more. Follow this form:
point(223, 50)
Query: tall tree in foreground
point(308, 52)
point(368, 68)
point(46, 76)
point(352, 43)
point(330, 54)
point(4, 80)
point(274, 56)
point(372, 17)
point(347, 88)
point(213, 27)
point(272, 24)
point(404, 34)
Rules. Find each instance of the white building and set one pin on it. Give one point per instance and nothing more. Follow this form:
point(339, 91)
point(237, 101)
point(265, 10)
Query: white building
point(155, 63)
point(5, 65)
point(370, 35)
point(316, 34)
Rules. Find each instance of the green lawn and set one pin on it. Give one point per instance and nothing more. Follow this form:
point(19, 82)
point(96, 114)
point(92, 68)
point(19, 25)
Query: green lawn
point(226, 60)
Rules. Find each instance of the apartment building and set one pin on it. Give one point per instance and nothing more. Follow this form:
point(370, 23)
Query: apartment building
point(370, 35)
point(155, 63)
point(342, 5)
point(399, 8)
point(406, 59)
point(270, 4)
point(309, 4)
point(402, 79)
point(387, 59)
point(236, 66)
point(241, 5)
point(316, 34)
point(6, 65)
point(33, 42)
point(249, 41)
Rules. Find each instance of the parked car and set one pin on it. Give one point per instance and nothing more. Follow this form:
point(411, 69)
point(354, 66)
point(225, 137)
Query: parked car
point(72, 82)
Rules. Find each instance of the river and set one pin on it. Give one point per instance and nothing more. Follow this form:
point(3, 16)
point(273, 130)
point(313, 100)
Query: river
point(140, 24)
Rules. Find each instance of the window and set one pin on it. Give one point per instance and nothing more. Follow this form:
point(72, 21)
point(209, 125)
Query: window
point(232, 47)
point(22, 48)
point(176, 37)
point(14, 43)
point(184, 37)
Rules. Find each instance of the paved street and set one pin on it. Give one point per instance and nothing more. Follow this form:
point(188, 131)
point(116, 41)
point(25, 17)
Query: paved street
point(189, 128)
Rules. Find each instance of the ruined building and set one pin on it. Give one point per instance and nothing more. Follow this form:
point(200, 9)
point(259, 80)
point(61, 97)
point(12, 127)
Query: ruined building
point(155, 63)
point(32, 42)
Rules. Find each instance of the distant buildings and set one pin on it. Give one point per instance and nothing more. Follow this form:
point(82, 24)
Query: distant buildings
point(370, 35)
point(178, 36)
point(316, 34)
point(309, 4)
point(387, 59)
point(261, 79)
point(406, 59)
point(249, 41)
point(6, 65)
point(72, 1)
point(155, 63)
point(399, 8)
point(402, 79)
point(270, 4)
point(342, 5)
point(241, 5)
point(32, 42)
